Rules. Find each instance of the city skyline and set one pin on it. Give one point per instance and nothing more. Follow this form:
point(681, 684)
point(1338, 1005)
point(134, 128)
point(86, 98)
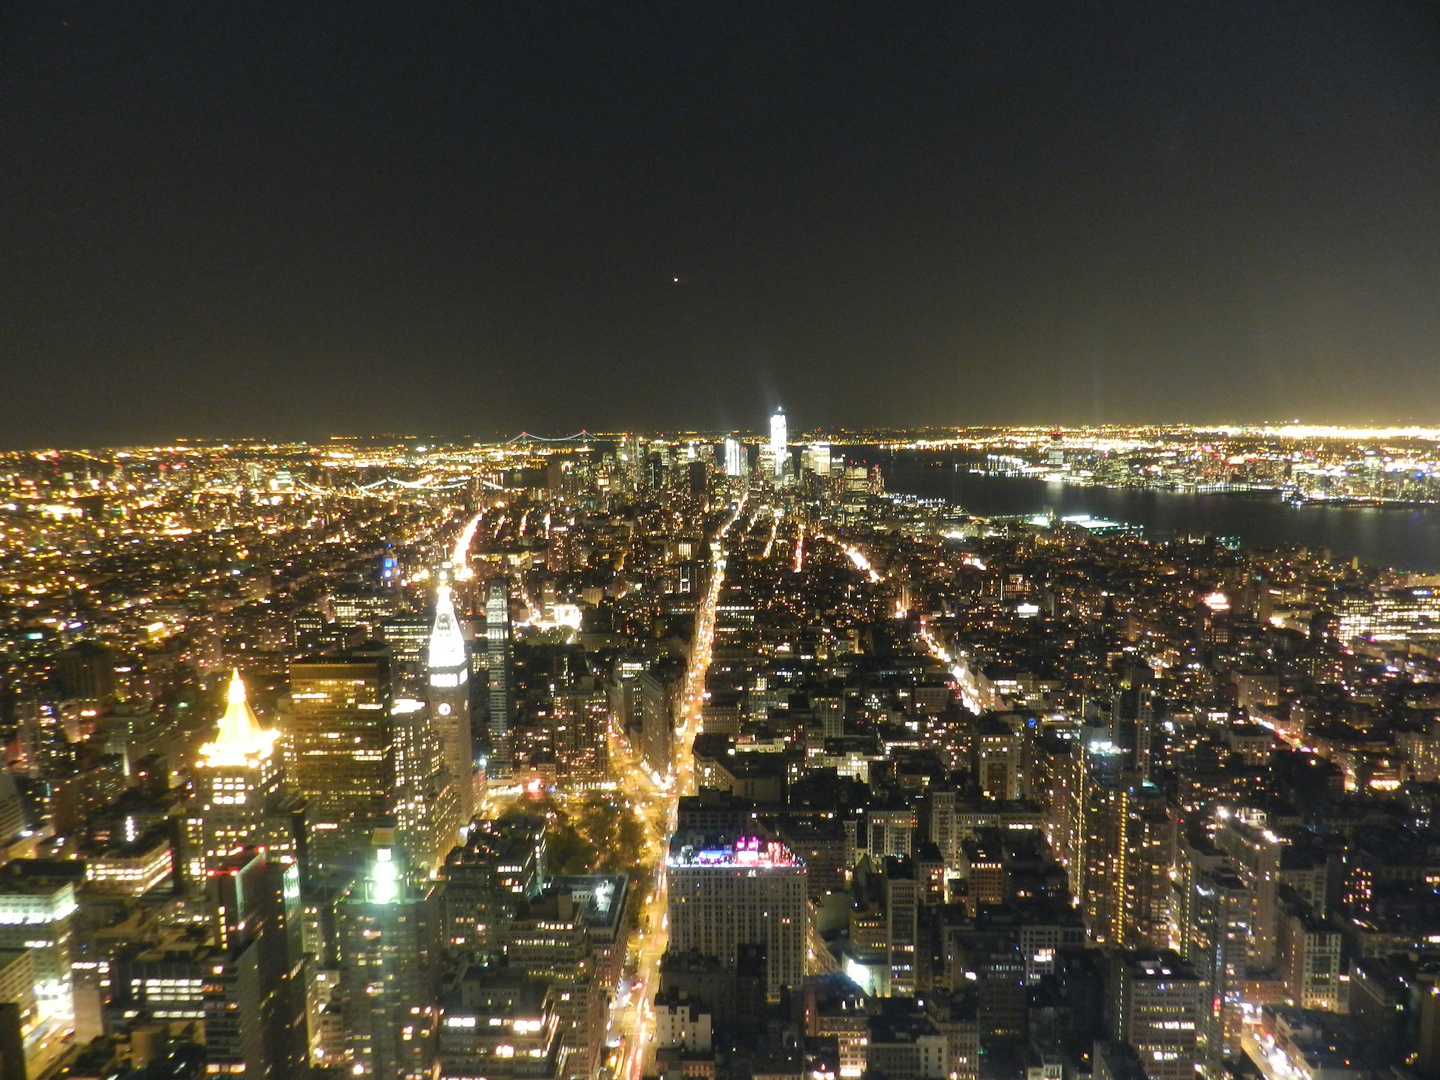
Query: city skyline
point(594, 761)
point(759, 434)
point(804, 541)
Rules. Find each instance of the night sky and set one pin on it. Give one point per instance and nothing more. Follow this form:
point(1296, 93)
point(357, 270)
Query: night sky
point(298, 219)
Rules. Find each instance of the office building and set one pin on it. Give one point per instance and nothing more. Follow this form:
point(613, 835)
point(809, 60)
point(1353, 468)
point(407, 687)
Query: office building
point(498, 1024)
point(38, 915)
point(725, 894)
point(737, 459)
point(407, 638)
point(254, 992)
point(1309, 960)
point(659, 694)
point(548, 935)
point(389, 933)
point(499, 665)
point(902, 928)
point(998, 758)
point(501, 865)
point(1127, 848)
point(1155, 1002)
point(1215, 943)
point(131, 869)
point(817, 459)
point(904, 1043)
point(779, 445)
point(339, 752)
point(580, 719)
point(426, 805)
point(1255, 851)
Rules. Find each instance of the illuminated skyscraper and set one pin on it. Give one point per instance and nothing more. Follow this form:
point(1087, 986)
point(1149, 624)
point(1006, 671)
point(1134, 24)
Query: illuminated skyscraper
point(902, 933)
point(1154, 1002)
point(779, 442)
point(737, 461)
point(408, 638)
point(449, 693)
point(1216, 934)
point(427, 806)
point(1099, 841)
point(1129, 846)
point(582, 751)
point(726, 894)
point(1255, 852)
point(498, 663)
point(237, 787)
point(255, 985)
point(390, 942)
point(38, 916)
point(339, 752)
point(1149, 853)
point(817, 459)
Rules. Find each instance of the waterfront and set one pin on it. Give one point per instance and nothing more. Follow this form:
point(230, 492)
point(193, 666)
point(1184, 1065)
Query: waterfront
point(1403, 537)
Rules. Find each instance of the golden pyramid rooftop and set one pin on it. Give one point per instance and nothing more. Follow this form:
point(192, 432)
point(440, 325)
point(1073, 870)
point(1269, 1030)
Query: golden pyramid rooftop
point(240, 740)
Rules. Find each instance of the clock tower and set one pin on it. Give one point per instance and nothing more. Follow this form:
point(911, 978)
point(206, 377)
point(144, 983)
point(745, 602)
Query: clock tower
point(448, 679)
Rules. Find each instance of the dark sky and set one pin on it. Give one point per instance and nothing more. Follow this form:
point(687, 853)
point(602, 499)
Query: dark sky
point(295, 219)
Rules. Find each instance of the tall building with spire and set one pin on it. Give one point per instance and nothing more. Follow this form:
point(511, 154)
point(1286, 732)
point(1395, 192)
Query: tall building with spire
point(237, 802)
point(448, 677)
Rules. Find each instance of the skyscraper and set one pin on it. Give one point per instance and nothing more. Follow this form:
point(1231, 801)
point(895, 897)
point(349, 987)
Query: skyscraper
point(659, 694)
point(779, 442)
point(255, 993)
point(737, 461)
point(390, 937)
point(498, 663)
point(427, 806)
point(408, 636)
point(1055, 452)
point(582, 751)
point(1154, 1003)
point(1216, 935)
point(725, 894)
point(548, 935)
point(1255, 852)
point(449, 693)
point(1128, 846)
point(902, 933)
point(504, 1021)
point(817, 459)
point(237, 786)
point(339, 751)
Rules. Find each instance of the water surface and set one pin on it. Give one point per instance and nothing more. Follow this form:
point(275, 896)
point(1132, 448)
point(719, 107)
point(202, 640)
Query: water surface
point(1403, 537)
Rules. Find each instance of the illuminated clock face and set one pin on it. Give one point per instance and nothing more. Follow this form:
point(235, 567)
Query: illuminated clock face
point(443, 708)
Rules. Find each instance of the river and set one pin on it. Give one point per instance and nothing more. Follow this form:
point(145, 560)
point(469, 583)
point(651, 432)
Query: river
point(1405, 538)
